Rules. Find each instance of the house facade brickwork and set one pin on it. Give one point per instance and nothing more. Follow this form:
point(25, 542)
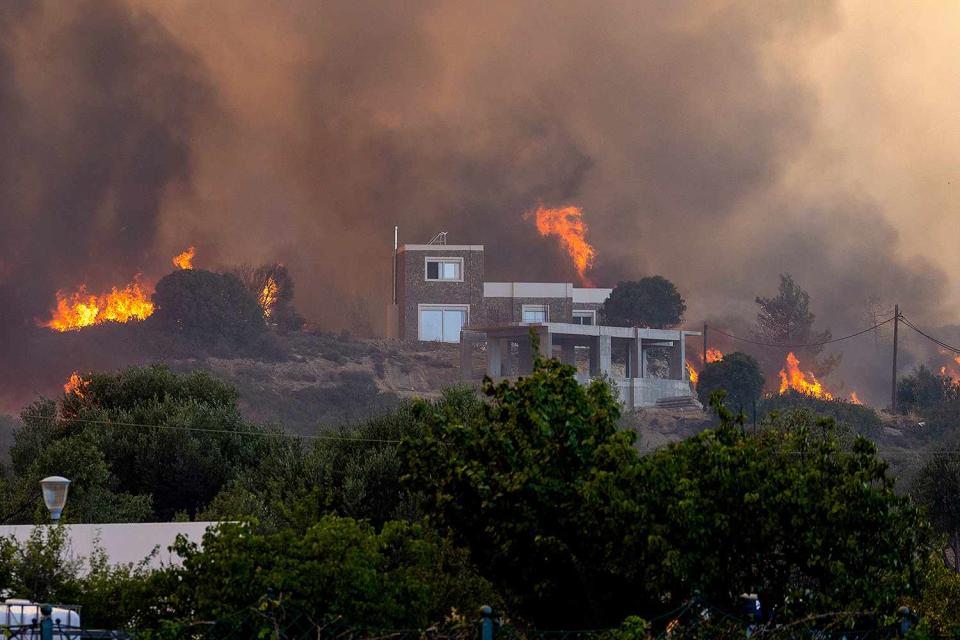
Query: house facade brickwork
point(441, 289)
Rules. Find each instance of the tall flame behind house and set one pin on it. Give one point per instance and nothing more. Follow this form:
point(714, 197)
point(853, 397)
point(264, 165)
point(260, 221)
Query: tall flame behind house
point(440, 296)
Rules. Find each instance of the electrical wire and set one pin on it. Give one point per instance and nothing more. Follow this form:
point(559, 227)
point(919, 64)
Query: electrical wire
point(940, 343)
point(801, 346)
point(170, 427)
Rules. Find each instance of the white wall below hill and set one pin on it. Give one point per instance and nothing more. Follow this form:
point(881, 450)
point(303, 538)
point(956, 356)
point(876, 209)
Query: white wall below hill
point(124, 543)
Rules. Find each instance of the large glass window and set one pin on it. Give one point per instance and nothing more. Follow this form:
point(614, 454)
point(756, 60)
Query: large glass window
point(445, 269)
point(534, 313)
point(431, 325)
point(442, 324)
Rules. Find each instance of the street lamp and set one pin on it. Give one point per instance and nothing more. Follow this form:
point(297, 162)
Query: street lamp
point(55, 494)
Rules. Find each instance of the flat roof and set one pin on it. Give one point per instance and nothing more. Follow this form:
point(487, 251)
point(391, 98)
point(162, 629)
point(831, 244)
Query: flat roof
point(568, 328)
point(440, 247)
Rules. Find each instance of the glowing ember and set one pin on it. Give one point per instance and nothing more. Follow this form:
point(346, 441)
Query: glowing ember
point(806, 383)
point(268, 297)
point(75, 385)
point(694, 376)
point(185, 260)
point(81, 309)
point(854, 399)
point(567, 224)
point(714, 355)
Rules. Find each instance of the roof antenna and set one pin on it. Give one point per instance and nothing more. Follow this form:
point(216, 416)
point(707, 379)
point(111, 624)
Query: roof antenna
point(440, 238)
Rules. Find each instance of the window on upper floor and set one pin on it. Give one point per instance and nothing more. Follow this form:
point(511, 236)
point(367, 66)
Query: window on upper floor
point(584, 316)
point(444, 269)
point(533, 313)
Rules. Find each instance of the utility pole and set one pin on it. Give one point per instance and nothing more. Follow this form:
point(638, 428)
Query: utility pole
point(893, 382)
point(704, 344)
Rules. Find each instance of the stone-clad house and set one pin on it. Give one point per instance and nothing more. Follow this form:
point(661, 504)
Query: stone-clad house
point(441, 296)
point(441, 290)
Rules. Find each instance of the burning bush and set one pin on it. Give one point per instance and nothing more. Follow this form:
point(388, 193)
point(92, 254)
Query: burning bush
point(213, 309)
point(272, 286)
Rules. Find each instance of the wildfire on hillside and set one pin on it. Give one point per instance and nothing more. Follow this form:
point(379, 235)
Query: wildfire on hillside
point(694, 376)
point(793, 378)
point(185, 260)
point(567, 224)
point(75, 385)
point(268, 297)
point(82, 309)
point(854, 399)
point(714, 355)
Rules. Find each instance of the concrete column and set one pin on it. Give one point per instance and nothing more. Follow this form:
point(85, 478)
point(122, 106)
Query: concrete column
point(524, 356)
point(466, 359)
point(684, 375)
point(546, 342)
point(638, 357)
point(506, 357)
point(676, 361)
point(568, 354)
point(600, 355)
point(494, 369)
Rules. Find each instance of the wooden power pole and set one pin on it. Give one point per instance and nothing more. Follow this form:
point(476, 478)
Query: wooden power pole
point(893, 382)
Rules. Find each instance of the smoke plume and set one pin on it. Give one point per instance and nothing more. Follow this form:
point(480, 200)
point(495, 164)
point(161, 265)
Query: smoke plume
point(702, 140)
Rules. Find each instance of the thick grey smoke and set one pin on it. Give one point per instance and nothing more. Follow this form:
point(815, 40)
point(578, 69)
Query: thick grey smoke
point(303, 131)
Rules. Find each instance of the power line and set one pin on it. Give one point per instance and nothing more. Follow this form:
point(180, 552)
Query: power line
point(929, 337)
point(169, 427)
point(800, 346)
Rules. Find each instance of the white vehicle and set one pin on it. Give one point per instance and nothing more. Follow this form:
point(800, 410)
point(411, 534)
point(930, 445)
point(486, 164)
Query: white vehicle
point(16, 613)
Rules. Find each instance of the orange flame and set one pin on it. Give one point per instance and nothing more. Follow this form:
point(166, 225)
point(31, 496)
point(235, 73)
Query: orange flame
point(268, 297)
point(714, 355)
point(694, 376)
point(806, 383)
point(567, 224)
point(75, 385)
point(81, 309)
point(854, 399)
point(185, 260)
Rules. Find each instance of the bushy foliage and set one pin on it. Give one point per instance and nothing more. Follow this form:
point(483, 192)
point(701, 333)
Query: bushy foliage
point(937, 489)
point(556, 507)
point(337, 570)
point(859, 418)
point(523, 484)
point(212, 310)
point(786, 513)
point(276, 281)
point(649, 302)
point(139, 441)
point(738, 374)
point(933, 396)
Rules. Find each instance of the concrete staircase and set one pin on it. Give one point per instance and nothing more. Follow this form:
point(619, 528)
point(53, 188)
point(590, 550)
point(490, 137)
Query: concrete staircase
point(679, 402)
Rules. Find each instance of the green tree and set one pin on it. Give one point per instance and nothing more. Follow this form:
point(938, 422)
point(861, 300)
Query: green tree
point(736, 373)
point(649, 302)
point(272, 286)
point(787, 514)
point(937, 489)
point(925, 391)
point(337, 571)
point(786, 319)
point(212, 310)
point(172, 439)
point(538, 487)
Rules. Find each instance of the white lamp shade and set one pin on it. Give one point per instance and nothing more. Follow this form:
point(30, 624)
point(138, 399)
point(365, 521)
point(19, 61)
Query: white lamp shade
point(55, 494)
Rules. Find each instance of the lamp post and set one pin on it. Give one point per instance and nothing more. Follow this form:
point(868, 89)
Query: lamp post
point(55, 494)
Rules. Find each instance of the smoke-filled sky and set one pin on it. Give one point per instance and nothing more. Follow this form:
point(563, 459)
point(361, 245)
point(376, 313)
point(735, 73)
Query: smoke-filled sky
point(716, 143)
